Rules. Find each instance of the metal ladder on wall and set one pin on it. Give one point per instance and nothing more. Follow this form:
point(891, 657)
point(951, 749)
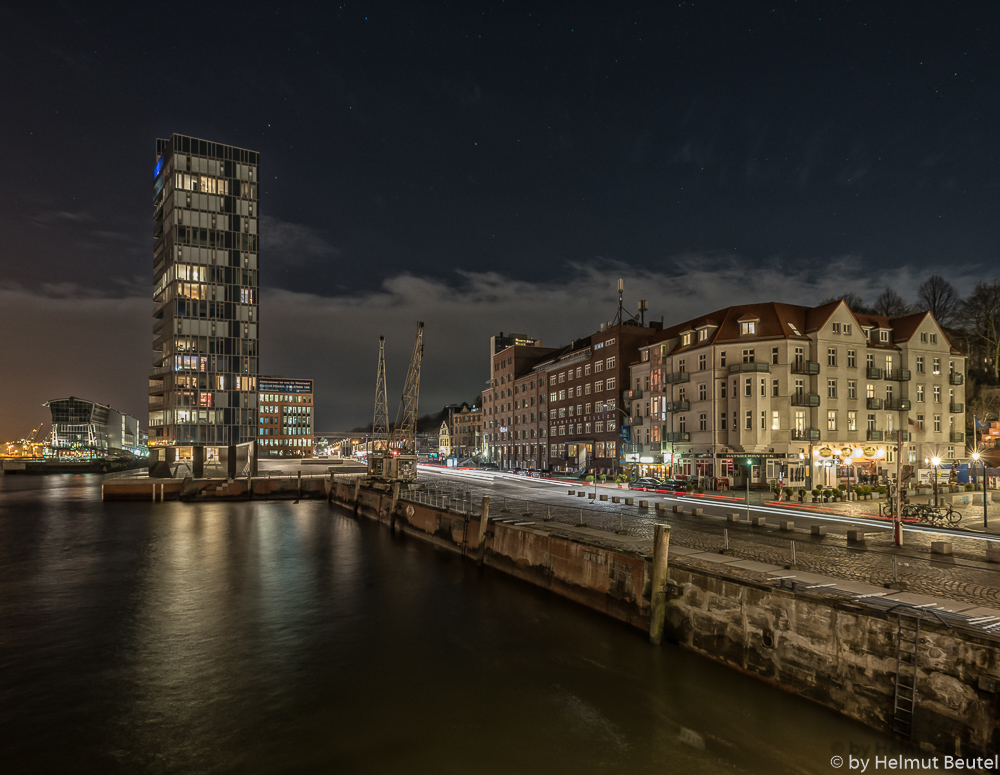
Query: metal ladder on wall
point(907, 652)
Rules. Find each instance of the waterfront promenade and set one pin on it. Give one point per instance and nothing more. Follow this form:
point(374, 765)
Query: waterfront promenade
point(821, 535)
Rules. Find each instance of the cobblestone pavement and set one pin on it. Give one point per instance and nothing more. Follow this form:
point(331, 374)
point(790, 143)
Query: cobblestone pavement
point(964, 576)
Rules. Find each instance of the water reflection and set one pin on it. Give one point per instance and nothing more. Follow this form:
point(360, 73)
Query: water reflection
point(276, 637)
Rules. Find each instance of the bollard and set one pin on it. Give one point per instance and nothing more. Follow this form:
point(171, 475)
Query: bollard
point(483, 523)
point(658, 612)
point(758, 521)
point(787, 525)
point(818, 530)
point(581, 523)
point(725, 539)
point(548, 513)
point(792, 565)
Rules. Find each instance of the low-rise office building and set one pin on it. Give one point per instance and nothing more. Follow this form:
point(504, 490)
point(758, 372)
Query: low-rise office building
point(285, 418)
point(82, 428)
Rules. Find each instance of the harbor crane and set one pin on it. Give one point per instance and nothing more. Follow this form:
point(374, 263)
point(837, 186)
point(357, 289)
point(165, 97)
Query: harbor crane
point(393, 455)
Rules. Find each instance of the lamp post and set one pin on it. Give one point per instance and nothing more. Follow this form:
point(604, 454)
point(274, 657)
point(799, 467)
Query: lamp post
point(935, 461)
point(980, 458)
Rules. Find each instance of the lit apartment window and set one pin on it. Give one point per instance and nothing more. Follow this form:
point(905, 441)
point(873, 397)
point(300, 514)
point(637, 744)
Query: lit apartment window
point(748, 328)
point(852, 420)
point(831, 420)
point(775, 422)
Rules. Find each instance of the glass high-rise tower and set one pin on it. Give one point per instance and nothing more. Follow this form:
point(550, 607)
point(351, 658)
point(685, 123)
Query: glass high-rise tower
point(203, 385)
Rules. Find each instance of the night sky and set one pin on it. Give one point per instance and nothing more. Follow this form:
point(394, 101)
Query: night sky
point(484, 167)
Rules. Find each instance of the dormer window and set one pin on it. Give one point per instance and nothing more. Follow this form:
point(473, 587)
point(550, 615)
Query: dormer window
point(748, 327)
point(794, 329)
point(883, 335)
point(686, 339)
point(703, 335)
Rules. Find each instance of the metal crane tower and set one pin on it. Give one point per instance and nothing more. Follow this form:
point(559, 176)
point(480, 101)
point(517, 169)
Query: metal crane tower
point(379, 451)
point(405, 431)
point(393, 457)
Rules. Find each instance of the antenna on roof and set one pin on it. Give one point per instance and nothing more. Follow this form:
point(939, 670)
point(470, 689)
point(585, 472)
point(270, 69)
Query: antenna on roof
point(623, 317)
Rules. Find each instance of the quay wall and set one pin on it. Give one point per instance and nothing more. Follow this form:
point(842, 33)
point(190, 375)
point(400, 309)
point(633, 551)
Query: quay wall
point(839, 653)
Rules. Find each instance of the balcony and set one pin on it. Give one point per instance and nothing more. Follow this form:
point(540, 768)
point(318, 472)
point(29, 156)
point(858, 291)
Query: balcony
point(898, 375)
point(678, 376)
point(755, 366)
point(678, 406)
point(672, 437)
point(805, 434)
point(874, 436)
point(873, 372)
point(897, 404)
point(805, 367)
point(636, 421)
point(805, 399)
point(873, 403)
point(630, 394)
point(156, 387)
point(955, 379)
point(155, 402)
point(956, 408)
point(159, 371)
point(956, 437)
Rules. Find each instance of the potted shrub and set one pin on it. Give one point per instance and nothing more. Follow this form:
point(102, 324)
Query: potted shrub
point(788, 493)
point(802, 495)
point(589, 477)
point(842, 491)
point(881, 490)
point(817, 493)
point(827, 495)
point(604, 478)
point(859, 491)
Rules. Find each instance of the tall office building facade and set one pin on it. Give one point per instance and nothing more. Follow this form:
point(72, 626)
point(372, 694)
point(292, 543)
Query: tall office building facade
point(203, 384)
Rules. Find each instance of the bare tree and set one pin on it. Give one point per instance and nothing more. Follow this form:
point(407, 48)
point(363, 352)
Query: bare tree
point(980, 314)
point(938, 296)
point(890, 304)
point(853, 300)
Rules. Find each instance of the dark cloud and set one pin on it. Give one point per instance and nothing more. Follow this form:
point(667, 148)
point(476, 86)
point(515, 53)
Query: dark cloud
point(85, 342)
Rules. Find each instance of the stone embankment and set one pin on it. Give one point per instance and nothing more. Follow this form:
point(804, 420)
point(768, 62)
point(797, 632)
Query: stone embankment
point(849, 654)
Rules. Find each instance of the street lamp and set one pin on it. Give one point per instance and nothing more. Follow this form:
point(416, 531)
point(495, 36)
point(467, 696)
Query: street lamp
point(935, 461)
point(977, 456)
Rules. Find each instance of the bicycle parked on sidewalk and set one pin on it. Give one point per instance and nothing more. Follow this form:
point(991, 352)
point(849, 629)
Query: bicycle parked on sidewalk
point(939, 516)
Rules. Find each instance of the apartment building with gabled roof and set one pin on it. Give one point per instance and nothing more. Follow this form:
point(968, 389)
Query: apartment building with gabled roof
point(804, 396)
